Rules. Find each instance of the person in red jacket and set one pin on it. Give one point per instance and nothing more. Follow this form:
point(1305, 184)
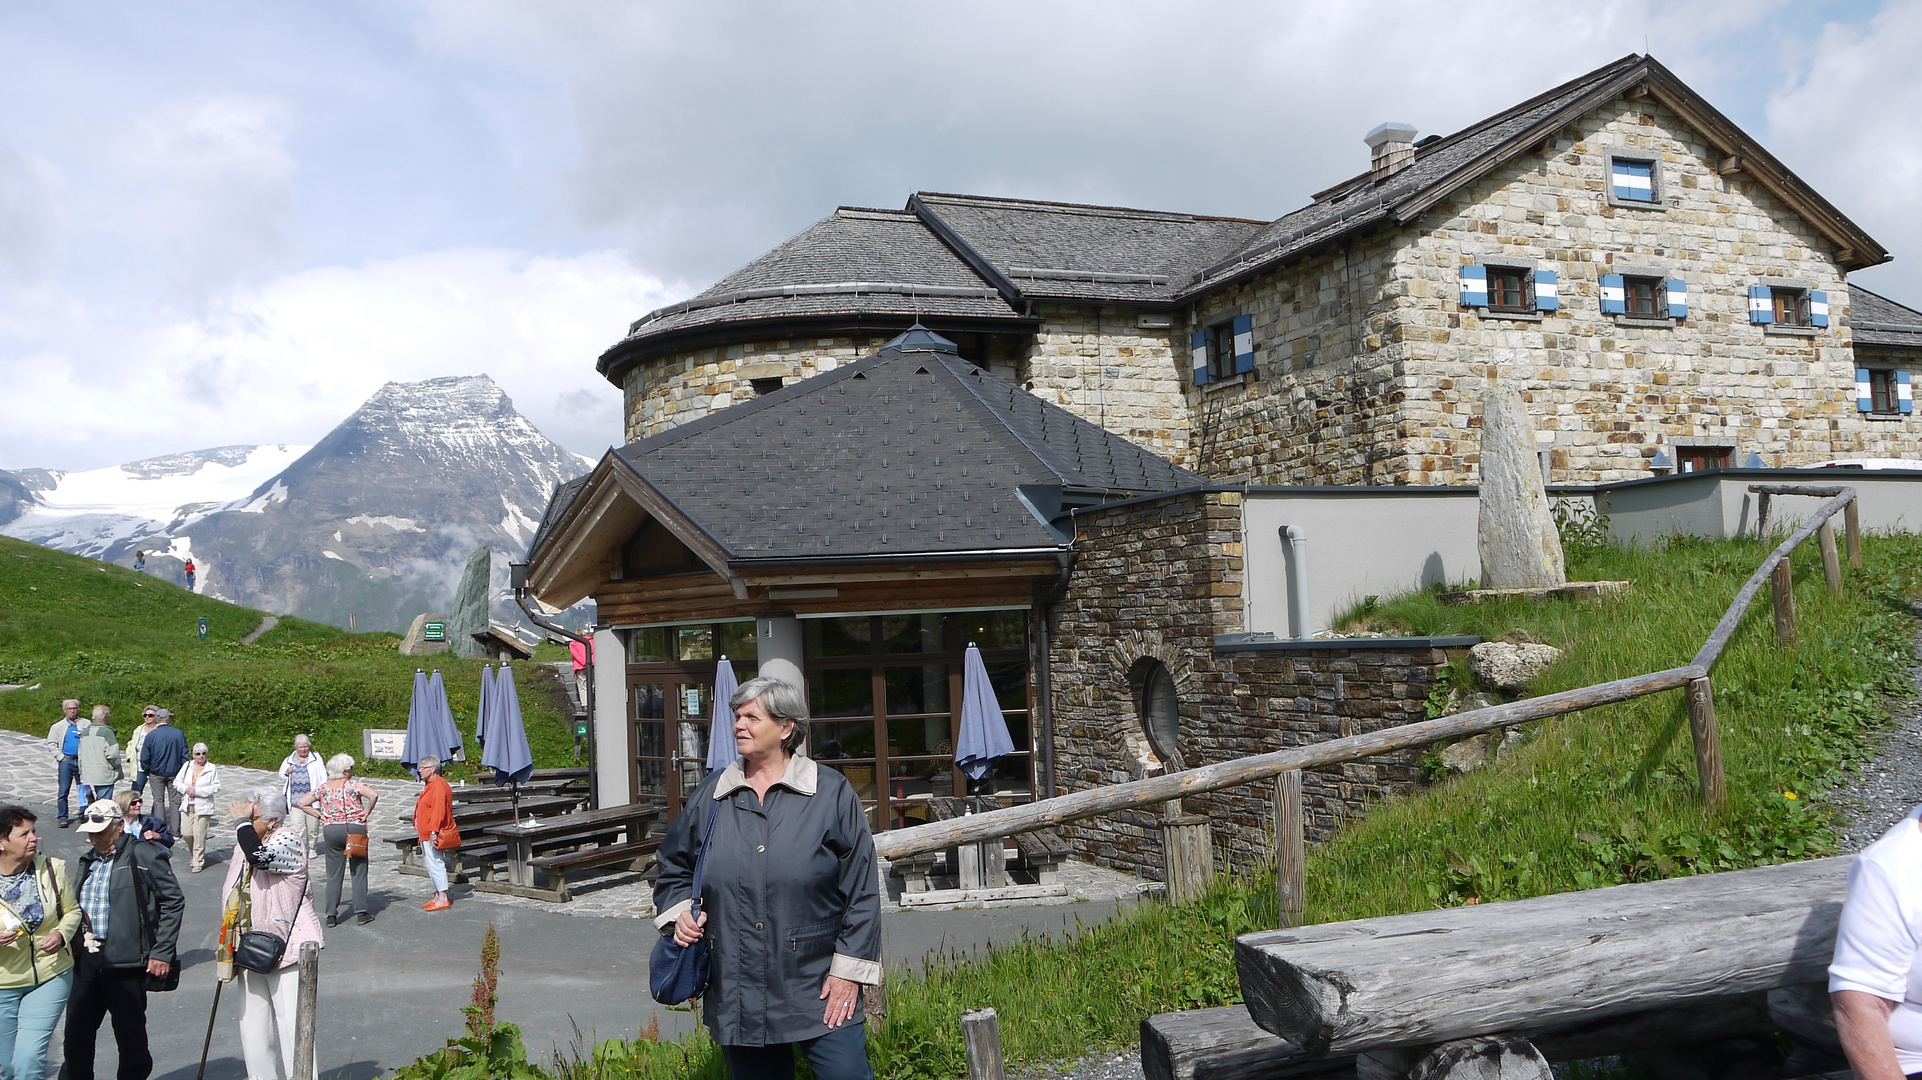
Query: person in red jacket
point(190, 575)
point(434, 824)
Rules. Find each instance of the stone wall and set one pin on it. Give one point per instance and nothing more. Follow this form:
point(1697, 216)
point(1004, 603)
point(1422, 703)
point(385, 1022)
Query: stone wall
point(1100, 364)
point(1158, 580)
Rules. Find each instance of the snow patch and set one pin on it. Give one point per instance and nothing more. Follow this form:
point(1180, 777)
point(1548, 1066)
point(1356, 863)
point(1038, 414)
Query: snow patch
point(330, 554)
point(141, 491)
point(259, 503)
point(398, 524)
point(517, 521)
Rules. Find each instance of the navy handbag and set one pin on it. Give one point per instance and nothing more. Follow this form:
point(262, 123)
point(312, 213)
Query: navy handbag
point(675, 974)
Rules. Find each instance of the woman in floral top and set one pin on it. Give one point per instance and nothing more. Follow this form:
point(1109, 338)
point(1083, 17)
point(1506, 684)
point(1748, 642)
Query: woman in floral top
point(343, 806)
point(39, 917)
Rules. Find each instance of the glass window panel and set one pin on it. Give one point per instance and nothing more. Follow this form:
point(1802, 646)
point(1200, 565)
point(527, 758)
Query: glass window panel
point(1011, 774)
point(920, 737)
point(1017, 729)
point(837, 637)
point(652, 776)
point(650, 701)
point(1160, 713)
point(696, 700)
point(650, 645)
point(737, 642)
point(833, 741)
point(861, 777)
point(650, 739)
point(924, 633)
point(919, 689)
point(1010, 682)
point(693, 741)
point(694, 642)
point(996, 629)
point(911, 813)
point(847, 692)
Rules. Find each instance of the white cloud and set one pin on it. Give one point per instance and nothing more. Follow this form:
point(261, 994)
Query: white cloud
point(30, 212)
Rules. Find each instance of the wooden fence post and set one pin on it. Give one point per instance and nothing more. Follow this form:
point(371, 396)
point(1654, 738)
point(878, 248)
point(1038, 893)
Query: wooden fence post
point(1853, 525)
point(1831, 562)
point(982, 1030)
point(306, 1010)
point(874, 999)
point(1708, 743)
point(1188, 851)
point(1782, 590)
point(1291, 858)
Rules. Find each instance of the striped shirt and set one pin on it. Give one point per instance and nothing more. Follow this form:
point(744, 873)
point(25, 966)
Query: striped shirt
point(96, 896)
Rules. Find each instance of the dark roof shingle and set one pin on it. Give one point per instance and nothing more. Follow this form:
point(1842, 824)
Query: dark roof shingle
point(1875, 319)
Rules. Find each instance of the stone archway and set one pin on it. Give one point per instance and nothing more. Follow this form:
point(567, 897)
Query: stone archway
point(1135, 653)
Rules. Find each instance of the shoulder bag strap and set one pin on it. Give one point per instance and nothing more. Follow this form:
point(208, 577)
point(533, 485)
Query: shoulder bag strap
point(700, 859)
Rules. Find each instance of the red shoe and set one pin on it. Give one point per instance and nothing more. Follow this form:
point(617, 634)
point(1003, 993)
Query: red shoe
point(437, 905)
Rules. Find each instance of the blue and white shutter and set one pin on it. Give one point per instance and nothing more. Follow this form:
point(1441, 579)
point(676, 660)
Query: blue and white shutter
point(1677, 298)
point(1244, 343)
point(1761, 305)
point(1904, 393)
point(1198, 342)
point(1613, 300)
point(1474, 286)
point(1818, 308)
point(1634, 180)
point(1864, 401)
point(1545, 298)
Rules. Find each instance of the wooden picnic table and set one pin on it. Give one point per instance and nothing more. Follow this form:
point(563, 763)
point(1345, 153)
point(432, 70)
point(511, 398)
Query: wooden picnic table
point(486, 776)
point(635, 821)
point(484, 793)
point(473, 820)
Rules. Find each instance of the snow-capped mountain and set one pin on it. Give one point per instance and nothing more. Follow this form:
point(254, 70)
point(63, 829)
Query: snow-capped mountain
point(375, 520)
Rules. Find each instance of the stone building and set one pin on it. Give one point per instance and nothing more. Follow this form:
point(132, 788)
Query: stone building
point(1668, 293)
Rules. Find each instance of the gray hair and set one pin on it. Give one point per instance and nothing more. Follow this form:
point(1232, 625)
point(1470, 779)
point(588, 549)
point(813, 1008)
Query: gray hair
point(270, 804)
point(340, 763)
point(427, 759)
point(784, 703)
point(200, 748)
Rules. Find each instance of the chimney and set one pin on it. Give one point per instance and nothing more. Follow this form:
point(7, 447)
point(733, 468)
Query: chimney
point(1391, 146)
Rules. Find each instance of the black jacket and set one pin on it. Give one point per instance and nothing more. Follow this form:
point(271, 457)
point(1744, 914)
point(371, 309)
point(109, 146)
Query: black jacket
point(163, 752)
point(143, 894)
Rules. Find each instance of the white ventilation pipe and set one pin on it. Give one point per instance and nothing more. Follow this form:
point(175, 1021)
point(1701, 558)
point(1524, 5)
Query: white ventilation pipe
point(1296, 539)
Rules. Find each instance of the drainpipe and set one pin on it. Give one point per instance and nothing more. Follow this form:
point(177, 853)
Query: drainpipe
point(1297, 540)
point(517, 575)
point(1046, 675)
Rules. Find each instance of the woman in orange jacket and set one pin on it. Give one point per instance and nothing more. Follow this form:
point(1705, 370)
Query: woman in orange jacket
point(434, 824)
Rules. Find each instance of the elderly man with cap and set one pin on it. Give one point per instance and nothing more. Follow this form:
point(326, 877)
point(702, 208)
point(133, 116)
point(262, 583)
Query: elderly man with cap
point(131, 907)
point(162, 754)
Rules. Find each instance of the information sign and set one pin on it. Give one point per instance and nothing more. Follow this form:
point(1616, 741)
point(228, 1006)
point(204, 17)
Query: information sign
point(203, 628)
point(580, 729)
point(382, 744)
point(434, 631)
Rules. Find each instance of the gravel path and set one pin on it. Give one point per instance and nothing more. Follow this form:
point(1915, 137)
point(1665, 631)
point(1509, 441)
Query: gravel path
point(1890, 785)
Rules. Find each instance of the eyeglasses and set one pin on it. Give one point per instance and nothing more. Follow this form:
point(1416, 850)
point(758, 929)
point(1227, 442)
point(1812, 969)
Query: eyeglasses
point(99, 819)
point(151, 716)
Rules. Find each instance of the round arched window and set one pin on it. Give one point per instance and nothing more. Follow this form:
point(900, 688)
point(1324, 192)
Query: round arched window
point(1160, 712)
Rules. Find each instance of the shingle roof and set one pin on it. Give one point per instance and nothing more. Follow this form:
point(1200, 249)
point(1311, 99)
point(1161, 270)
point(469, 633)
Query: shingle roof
point(564, 496)
point(900, 452)
point(1875, 319)
point(1064, 250)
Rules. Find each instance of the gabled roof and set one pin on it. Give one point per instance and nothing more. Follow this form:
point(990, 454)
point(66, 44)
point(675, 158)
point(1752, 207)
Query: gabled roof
point(1444, 166)
point(909, 451)
point(1875, 319)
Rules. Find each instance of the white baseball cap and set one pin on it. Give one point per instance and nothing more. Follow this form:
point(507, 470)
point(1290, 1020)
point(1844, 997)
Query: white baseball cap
point(101, 814)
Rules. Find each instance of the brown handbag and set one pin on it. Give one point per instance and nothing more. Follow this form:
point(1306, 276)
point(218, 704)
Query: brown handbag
point(356, 842)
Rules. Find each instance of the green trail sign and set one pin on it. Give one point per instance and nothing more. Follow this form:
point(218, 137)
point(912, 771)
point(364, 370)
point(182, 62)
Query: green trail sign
point(203, 628)
point(580, 729)
point(434, 631)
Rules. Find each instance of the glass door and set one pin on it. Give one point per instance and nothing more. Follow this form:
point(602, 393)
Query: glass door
point(651, 742)
point(694, 708)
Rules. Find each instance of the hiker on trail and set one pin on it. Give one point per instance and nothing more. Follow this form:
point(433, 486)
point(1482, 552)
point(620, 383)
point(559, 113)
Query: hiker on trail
point(434, 824)
point(268, 885)
point(100, 758)
point(789, 891)
point(132, 906)
point(189, 568)
point(39, 916)
point(162, 755)
point(64, 738)
point(149, 719)
point(301, 773)
point(343, 806)
point(139, 823)
point(198, 783)
point(140, 561)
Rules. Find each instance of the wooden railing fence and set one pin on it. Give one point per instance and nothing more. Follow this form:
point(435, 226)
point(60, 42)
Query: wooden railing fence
point(1284, 766)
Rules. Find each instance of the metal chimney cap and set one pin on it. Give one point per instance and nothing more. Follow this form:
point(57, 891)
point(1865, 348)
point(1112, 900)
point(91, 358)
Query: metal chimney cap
point(1389, 132)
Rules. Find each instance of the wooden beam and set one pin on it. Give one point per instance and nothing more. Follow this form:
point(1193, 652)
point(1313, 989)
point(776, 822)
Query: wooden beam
point(1291, 848)
point(1708, 744)
point(1731, 165)
point(1711, 649)
point(1553, 961)
point(663, 509)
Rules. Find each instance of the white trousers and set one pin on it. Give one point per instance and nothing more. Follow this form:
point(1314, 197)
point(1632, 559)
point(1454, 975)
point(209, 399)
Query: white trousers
point(267, 1015)
point(436, 863)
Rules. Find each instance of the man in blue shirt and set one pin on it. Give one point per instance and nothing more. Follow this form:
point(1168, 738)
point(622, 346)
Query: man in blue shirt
point(64, 739)
point(161, 757)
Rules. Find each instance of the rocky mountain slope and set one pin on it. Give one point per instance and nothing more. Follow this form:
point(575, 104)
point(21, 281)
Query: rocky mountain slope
point(376, 520)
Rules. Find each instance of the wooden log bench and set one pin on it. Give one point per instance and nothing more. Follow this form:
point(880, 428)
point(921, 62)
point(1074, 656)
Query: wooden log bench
point(556, 868)
point(483, 855)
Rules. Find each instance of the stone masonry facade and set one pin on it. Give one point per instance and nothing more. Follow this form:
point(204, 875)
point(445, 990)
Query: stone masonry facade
point(1155, 581)
point(1100, 364)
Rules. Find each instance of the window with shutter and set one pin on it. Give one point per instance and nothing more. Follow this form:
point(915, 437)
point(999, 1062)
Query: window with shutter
point(1790, 307)
point(1546, 296)
point(1508, 289)
point(1198, 353)
point(1677, 298)
point(1882, 392)
point(1614, 291)
point(1761, 305)
point(1474, 286)
point(1642, 295)
point(1631, 180)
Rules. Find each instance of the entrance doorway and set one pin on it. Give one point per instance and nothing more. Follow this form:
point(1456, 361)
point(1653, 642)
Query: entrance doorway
point(671, 720)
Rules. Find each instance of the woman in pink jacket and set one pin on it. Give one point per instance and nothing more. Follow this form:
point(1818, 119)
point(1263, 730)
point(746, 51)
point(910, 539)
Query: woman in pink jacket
point(271, 860)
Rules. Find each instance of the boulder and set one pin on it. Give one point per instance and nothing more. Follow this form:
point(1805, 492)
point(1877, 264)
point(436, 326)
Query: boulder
point(1480, 699)
point(1469, 754)
point(469, 616)
point(1520, 548)
point(1509, 667)
point(415, 642)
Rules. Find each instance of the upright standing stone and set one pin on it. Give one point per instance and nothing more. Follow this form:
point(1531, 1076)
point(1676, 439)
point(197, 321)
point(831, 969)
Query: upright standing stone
point(1519, 546)
point(469, 616)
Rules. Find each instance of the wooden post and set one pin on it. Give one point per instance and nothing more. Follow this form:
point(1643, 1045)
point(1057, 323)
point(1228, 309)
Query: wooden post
point(1782, 589)
point(1762, 516)
point(306, 1010)
point(874, 999)
point(1189, 854)
point(982, 1030)
point(1291, 857)
point(1852, 524)
point(1708, 743)
point(1831, 562)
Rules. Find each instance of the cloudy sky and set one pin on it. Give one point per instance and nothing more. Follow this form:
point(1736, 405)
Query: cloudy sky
point(232, 222)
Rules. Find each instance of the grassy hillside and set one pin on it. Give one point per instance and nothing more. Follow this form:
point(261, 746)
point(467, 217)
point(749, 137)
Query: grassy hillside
point(108, 635)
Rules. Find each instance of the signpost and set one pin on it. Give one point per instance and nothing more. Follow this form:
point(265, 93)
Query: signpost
point(382, 744)
point(434, 631)
point(203, 628)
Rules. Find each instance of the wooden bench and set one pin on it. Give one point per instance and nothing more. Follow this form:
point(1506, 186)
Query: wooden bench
point(484, 855)
point(1042, 853)
point(1039, 853)
point(555, 868)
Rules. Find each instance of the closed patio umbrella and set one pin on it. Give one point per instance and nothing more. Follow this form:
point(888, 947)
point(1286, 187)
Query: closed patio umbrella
point(483, 714)
point(419, 742)
point(506, 751)
point(447, 737)
point(984, 731)
point(721, 751)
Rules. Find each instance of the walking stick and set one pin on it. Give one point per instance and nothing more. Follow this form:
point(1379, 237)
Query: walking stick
point(209, 1041)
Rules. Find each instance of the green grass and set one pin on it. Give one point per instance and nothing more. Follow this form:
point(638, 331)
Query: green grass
point(108, 635)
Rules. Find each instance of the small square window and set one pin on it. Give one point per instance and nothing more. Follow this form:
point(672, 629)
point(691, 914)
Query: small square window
point(1632, 181)
point(1221, 350)
point(1883, 397)
point(1510, 289)
point(1645, 297)
point(1791, 306)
